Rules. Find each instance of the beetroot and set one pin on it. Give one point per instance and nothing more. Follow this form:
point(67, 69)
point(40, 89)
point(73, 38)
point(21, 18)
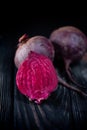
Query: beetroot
point(36, 77)
point(38, 44)
point(70, 45)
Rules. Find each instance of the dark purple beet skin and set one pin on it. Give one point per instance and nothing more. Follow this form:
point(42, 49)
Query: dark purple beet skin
point(71, 41)
point(70, 45)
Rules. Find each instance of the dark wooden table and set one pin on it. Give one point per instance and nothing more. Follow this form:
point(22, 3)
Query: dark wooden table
point(63, 110)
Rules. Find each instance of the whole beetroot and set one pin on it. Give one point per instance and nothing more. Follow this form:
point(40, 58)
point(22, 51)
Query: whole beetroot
point(36, 77)
point(38, 44)
point(70, 45)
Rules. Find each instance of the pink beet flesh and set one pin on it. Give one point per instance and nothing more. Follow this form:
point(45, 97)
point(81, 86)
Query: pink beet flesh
point(36, 77)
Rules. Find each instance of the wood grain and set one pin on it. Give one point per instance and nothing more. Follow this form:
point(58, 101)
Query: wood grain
point(6, 83)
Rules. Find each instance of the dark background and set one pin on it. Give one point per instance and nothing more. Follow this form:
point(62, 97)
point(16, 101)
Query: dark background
point(40, 23)
point(65, 109)
point(39, 17)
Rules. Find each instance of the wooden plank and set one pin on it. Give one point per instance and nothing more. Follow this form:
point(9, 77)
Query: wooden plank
point(78, 103)
point(6, 84)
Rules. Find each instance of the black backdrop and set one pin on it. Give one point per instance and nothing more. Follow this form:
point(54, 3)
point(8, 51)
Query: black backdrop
point(64, 109)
